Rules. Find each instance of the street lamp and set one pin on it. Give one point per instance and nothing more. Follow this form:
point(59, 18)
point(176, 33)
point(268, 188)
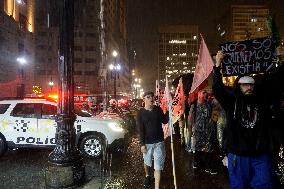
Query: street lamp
point(19, 2)
point(136, 87)
point(114, 53)
point(114, 71)
point(21, 89)
point(65, 167)
point(22, 60)
point(51, 83)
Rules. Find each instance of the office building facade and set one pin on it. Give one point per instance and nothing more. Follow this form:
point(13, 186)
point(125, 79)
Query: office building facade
point(178, 51)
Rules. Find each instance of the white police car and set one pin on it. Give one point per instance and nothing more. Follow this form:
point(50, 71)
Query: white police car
point(31, 123)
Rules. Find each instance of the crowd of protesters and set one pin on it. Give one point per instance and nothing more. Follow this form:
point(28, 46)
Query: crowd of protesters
point(241, 127)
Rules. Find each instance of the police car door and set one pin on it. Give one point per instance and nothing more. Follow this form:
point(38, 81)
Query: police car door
point(24, 124)
point(47, 125)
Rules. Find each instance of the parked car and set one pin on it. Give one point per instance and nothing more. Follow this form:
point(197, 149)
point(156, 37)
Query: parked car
point(31, 123)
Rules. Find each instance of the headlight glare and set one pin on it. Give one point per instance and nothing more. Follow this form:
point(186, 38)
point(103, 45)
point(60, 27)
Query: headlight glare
point(115, 127)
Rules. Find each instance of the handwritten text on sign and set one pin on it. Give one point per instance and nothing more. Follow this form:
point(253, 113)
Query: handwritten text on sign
point(246, 57)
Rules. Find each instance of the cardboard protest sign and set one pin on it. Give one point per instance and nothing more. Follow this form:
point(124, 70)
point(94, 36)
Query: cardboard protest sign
point(247, 57)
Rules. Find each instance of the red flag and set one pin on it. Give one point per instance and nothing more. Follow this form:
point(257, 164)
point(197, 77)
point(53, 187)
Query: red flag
point(157, 94)
point(167, 104)
point(177, 104)
point(204, 66)
point(164, 102)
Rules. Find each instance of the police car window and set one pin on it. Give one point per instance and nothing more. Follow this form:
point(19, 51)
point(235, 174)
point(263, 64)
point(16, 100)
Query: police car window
point(48, 111)
point(24, 110)
point(3, 108)
point(84, 113)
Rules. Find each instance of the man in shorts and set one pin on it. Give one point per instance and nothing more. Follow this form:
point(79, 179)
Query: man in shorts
point(149, 121)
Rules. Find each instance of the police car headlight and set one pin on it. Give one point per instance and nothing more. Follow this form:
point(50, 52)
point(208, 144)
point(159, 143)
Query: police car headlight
point(115, 127)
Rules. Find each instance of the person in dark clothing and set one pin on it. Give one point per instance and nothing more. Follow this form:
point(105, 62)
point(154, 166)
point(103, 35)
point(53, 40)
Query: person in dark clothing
point(149, 121)
point(247, 134)
point(203, 133)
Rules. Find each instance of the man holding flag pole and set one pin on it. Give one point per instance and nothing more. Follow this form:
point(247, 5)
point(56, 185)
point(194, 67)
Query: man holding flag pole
point(149, 121)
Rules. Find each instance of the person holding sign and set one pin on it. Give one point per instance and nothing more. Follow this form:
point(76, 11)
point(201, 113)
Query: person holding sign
point(247, 134)
point(149, 121)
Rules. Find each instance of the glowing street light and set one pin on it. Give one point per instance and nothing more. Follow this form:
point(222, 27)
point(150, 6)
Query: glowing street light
point(21, 60)
point(19, 2)
point(51, 84)
point(114, 53)
point(111, 66)
point(21, 89)
point(114, 71)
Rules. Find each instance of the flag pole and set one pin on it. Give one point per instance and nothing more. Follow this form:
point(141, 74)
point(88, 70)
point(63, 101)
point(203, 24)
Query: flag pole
point(171, 131)
point(185, 133)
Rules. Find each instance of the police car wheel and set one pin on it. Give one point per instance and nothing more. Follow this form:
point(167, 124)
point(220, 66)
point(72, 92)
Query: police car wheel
point(3, 145)
point(92, 146)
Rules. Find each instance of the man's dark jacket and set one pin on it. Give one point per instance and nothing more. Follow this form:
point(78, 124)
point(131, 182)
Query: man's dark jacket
point(150, 125)
point(255, 140)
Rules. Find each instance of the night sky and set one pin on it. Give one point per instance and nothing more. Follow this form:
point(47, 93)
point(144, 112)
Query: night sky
point(145, 16)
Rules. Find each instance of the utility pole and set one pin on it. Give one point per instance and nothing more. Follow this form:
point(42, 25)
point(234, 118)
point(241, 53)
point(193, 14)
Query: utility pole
point(114, 85)
point(65, 165)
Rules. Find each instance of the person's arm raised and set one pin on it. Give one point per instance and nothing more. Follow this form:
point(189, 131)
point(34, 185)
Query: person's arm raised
point(220, 93)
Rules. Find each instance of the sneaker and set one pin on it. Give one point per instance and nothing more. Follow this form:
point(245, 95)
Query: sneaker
point(147, 181)
point(278, 172)
point(207, 171)
point(194, 165)
point(213, 172)
point(188, 149)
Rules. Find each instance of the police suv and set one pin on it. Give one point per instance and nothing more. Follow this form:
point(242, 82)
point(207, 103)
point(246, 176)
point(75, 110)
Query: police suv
point(31, 123)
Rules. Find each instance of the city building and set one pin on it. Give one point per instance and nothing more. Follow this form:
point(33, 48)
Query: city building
point(91, 74)
point(248, 22)
point(116, 40)
point(46, 43)
point(178, 51)
point(17, 47)
point(87, 48)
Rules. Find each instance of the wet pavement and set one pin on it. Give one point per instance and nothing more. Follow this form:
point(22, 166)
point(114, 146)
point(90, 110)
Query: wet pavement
point(129, 170)
point(25, 169)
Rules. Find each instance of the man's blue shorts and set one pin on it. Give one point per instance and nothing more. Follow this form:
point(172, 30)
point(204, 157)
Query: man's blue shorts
point(157, 152)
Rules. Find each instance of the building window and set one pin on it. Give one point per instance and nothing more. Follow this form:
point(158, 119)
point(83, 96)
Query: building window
point(93, 73)
point(78, 34)
point(90, 48)
point(77, 73)
point(21, 48)
point(90, 60)
point(43, 34)
point(78, 48)
point(91, 35)
point(78, 60)
point(41, 72)
point(41, 47)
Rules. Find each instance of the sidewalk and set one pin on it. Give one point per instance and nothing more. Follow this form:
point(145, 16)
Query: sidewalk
point(94, 183)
